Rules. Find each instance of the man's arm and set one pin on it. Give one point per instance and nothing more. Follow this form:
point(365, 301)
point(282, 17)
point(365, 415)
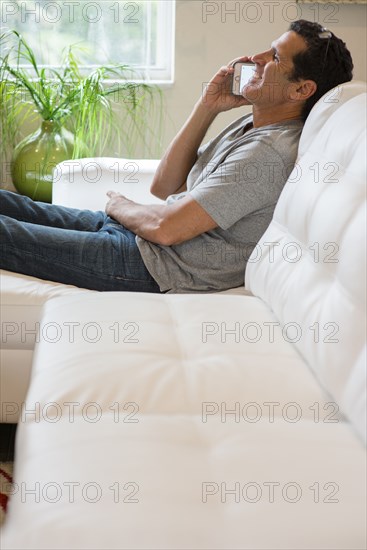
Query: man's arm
point(161, 224)
point(181, 155)
point(172, 172)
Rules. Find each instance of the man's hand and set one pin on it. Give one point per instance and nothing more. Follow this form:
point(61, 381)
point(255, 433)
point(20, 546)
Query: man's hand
point(115, 203)
point(171, 175)
point(217, 96)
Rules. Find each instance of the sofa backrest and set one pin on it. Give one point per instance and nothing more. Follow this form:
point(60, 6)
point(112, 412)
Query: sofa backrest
point(310, 264)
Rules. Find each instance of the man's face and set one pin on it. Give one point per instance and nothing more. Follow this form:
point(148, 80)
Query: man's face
point(270, 83)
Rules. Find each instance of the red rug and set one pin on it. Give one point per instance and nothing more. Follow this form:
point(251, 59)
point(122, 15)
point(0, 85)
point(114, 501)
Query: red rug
point(6, 479)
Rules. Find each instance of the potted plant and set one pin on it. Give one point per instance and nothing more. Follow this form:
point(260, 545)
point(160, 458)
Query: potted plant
point(76, 112)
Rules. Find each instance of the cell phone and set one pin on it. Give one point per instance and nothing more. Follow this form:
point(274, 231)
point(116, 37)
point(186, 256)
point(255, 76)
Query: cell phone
point(242, 74)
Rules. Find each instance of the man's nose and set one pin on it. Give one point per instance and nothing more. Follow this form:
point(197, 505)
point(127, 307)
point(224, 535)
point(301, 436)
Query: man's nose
point(261, 58)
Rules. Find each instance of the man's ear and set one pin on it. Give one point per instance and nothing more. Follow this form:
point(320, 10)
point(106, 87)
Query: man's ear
point(302, 90)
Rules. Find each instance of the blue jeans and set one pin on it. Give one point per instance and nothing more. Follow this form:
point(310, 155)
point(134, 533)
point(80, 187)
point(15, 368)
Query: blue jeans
point(77, 247)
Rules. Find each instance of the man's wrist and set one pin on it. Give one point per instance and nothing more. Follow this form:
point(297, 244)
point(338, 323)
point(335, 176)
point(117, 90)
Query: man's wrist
point(205, 112)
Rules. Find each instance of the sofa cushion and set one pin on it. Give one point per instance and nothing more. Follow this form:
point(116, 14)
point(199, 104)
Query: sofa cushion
point(310, 264)
point(174, 482)
point(168, 354)
point(22, 300)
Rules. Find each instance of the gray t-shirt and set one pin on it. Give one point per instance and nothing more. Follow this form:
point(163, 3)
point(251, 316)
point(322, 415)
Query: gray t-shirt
point(237, 179)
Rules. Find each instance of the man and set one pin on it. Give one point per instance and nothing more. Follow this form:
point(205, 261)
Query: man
point(219, 198)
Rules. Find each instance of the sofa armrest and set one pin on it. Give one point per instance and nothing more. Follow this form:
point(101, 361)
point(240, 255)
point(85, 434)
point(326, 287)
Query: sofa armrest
point(83, 183)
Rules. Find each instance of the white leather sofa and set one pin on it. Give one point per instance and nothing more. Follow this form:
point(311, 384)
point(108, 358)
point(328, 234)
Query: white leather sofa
point(207, 421)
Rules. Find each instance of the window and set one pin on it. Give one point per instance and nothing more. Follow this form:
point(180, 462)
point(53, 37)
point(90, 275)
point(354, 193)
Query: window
point(140, 33)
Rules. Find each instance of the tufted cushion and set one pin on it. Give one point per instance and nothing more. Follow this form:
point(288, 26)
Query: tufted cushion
point(161, 484)
point(310, 264)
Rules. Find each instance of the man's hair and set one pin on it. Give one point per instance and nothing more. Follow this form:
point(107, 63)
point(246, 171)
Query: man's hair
point(326, 61)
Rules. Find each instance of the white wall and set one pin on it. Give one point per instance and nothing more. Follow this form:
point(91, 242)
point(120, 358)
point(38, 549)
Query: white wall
point(208, 36)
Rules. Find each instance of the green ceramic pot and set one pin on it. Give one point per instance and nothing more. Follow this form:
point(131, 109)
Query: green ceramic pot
point(35, 158)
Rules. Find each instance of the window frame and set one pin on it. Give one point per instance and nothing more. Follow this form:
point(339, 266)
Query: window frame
point(162, 73)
